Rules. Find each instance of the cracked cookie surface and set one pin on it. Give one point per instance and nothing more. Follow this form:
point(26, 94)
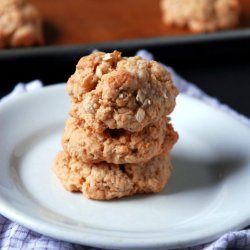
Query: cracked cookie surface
point(201, 15)
point(20, 24)
point(120, 93)
point(103, 181)
point(117, 146)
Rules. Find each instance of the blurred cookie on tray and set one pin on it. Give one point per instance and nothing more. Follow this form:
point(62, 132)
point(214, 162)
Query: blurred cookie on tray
point(201, 15)
point(20, 24)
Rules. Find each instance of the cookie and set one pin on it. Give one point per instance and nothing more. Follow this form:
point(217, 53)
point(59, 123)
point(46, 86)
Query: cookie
point(120, 93)
point(201, 15)
point(117, 146)
point(20, 24)
point(103, 181)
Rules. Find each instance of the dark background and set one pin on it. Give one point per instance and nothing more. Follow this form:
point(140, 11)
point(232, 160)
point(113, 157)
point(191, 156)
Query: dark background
point(220, 68)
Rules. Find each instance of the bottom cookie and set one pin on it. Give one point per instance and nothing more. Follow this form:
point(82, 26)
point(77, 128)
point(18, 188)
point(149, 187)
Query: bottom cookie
point(103, 181)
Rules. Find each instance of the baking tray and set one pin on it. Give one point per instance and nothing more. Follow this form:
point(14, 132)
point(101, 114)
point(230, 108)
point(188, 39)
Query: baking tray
point(90, 24)
point(220, 66)
point(68, 22)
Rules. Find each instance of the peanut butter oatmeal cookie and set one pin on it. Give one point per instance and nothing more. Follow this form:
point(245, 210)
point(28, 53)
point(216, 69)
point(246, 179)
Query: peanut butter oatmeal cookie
point(119, 92)
point(117, 146)
point(20, 24)
point(117, 140)
point(103, 181)
point(201, 15)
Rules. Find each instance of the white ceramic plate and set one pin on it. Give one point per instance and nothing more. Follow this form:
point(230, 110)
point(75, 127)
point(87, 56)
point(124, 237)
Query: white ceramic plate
point(207, 196)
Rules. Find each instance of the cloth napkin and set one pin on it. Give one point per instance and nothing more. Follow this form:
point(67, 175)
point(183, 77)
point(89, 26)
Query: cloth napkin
point(17, 237)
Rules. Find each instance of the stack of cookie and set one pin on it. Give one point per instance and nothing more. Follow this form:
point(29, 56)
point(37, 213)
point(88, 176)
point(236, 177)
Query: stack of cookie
point(117, 140)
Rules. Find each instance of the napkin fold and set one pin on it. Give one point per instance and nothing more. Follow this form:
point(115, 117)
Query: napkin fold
point(21, 88)
point(17, 237)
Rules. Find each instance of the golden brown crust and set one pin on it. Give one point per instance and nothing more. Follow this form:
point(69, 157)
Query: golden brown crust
point(201, 15)
point(20, 24)
point(116, 92)
point(105, 181)
point(117, 146)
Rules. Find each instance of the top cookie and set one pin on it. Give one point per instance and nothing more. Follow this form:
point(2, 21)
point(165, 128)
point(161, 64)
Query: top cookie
point(119, 92)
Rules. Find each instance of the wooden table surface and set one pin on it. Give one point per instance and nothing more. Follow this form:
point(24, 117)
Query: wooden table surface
point(91, 21)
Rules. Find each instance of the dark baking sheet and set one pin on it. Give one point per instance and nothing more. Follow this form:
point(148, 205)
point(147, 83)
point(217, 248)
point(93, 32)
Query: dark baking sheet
point(220, 65)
